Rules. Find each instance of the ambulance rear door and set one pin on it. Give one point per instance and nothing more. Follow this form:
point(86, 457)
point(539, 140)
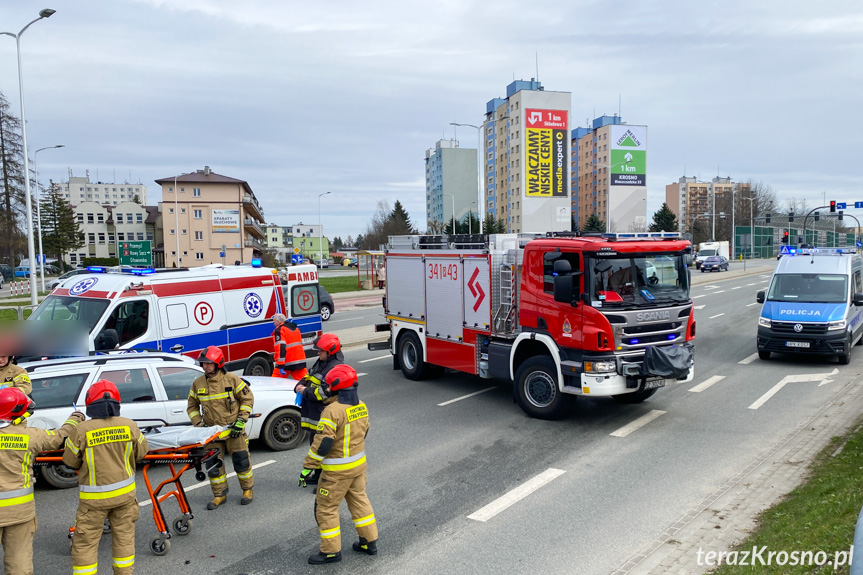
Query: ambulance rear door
point(303, 302)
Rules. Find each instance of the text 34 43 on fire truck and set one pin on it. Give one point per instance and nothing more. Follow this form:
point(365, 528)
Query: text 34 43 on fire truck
point(559, 315)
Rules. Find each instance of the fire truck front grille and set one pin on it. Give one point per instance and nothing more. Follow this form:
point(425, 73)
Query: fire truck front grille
point(641, 329)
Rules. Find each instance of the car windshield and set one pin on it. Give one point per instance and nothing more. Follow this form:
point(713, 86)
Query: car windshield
point(809, 288)
point(640, 280)
point(706, 252)
point(713, 259)
point(68, 308)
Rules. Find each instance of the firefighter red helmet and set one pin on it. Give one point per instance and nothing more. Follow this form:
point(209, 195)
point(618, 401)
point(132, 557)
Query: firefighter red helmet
point(13, 403)
point(329, 343)
point(341, 377)
point(212, 354)
point(102, 389)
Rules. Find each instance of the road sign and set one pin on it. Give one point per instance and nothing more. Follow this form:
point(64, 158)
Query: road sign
point(221, 254)
point(296, 259)
point(842, 206)
point(136, 254)
point(296, 250)
point(858, 204)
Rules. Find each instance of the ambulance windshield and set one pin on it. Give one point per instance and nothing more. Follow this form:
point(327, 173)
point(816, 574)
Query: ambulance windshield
point(638, 280)
point(67, 308)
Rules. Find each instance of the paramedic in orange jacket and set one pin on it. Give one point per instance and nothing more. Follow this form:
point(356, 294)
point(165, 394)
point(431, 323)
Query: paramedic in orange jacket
point(288, 352)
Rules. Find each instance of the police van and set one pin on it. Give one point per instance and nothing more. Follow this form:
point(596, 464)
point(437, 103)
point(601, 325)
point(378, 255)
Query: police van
point(185, 310)
point(813, 305)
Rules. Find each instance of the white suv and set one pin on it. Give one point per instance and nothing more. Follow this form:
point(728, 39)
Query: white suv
point(154, 388)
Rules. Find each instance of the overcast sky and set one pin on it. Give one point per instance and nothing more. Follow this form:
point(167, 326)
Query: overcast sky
point(302, 98)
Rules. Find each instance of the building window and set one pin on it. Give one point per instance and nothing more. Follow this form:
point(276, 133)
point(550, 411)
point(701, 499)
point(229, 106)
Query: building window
point(91, 238)
point(196, 192)
point(139, 218)
point(140, 236)
point(100, 218)
point(182, 210)
point(120, 237)
point(150, 236)
point(198, 214)
point(199, 256)
point(101, 238)
point(182, 190)
point(80, 218)
point(89, 218)
point(119, 218)
point(170, 210)
point(110, 238)
point(199, 236)
point(73, 258)
point(184, 232)
point(172, 232)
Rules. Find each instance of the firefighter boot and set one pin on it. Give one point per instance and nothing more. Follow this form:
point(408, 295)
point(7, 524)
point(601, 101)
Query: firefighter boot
point(363, 546)
point(247, 497)
point(321, 558)
point(217, 501)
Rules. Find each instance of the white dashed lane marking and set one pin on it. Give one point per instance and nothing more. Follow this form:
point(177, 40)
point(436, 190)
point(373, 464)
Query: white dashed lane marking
point(715, 316)
point(707, 383)
point(638, 423)
point(516, 495)
point(749, 359)
point(375, 358)
point(465, 396)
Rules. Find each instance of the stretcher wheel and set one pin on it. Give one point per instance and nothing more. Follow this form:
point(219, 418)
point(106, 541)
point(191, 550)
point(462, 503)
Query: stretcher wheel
point(200, 476)
point(106, 527)
point(182, 525)
point(159, 545)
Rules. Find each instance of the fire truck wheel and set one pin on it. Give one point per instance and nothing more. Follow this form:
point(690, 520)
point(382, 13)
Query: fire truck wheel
point(411, 357)
point(258, 366)
point(537, 392)
point(636, 397)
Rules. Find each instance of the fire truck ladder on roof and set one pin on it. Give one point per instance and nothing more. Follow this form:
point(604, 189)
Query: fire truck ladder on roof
point(504, 317)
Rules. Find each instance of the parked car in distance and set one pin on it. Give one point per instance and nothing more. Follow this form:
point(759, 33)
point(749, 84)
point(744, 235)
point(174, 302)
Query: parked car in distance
point(6, 272)
point(22, 272)
point(327, 304)
point(57, 281)
point(51, 270)
point(714, 264)
point(154, 387)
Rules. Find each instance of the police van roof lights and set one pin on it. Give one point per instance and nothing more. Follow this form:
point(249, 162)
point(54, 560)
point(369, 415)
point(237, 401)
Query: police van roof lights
point(827, 251)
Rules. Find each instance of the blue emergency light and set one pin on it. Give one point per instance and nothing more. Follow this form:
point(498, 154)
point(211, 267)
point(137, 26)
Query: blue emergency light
point(142, 271)
point(96, 269)
point(256, 263)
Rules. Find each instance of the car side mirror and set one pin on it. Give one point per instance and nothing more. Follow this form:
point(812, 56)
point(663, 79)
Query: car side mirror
point(857, 299)
point(759, 297)
point(688, 259)
point(563, 289)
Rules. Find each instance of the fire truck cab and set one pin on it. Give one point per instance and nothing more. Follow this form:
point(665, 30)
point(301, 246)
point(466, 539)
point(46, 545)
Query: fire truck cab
point(558, 315)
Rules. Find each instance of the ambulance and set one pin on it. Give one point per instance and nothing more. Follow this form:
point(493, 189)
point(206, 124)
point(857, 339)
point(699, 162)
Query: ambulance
point(186, 310)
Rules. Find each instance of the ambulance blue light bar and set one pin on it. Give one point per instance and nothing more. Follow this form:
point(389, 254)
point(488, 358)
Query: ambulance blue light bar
point(96, 269)
point(142, 271)
point(256, 263)
point(643, 236)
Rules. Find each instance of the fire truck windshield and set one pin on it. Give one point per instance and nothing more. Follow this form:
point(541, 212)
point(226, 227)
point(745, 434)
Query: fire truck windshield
point(88, 311)
point(638, 280)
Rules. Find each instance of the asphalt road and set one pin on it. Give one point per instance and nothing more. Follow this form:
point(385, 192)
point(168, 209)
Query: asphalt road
point(607, 489)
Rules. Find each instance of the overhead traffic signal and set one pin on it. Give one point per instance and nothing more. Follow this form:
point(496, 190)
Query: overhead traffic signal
point(784, 237)
point(816, 216)
point(841, 213)
point(832, 206)
point(767, 218)
point(791, 217)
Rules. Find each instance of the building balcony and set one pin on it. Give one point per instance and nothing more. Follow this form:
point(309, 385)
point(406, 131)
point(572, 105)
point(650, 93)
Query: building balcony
point(253, 243)
point(253, 207)
point(252, 226)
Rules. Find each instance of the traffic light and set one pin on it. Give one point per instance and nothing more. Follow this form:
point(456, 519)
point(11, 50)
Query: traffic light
point(785, 237)
point(767, 218)
point(841, 213)
point(791, 217)
point(832, 206)
point(816, 216)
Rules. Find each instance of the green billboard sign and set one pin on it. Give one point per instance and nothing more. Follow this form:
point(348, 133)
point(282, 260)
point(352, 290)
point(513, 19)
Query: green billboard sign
point(136, 254)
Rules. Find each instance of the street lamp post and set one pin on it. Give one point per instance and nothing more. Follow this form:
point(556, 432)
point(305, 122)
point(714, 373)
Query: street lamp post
point(39, 210)
point(752, 229)
point(31, 250)
point(321, 232)
point(479, 163)
point(453, 210)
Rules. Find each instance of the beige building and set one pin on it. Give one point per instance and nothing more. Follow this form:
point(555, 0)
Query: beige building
point(691, 199)
point(204, 213)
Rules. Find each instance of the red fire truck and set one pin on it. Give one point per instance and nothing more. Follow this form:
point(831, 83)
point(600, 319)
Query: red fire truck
point(560, 315)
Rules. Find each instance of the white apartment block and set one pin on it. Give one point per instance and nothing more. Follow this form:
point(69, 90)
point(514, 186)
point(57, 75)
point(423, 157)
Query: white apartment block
point(79, 190)
point(106, 226)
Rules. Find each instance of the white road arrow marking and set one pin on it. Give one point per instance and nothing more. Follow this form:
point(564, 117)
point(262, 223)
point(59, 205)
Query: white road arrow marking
point(804, 377)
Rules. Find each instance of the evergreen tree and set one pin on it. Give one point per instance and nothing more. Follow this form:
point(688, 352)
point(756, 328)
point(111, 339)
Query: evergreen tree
point(61, 232)
point(594, 224)
point(493, 226)
point(336, 244)
point(399, 222)
point(664, 220)
point(359, 241)
point(12, 186)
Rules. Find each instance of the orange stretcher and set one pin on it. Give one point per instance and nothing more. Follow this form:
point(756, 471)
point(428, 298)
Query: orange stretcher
point(181, 448)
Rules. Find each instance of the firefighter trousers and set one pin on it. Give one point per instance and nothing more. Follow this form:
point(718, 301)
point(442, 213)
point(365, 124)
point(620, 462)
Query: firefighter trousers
point(332, 489)
point(297, 374)
point(238, 449)
point(88, 532)
point(18, 547)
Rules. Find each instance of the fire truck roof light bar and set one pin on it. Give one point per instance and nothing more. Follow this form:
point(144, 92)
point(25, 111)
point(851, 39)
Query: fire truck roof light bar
point(644, 236)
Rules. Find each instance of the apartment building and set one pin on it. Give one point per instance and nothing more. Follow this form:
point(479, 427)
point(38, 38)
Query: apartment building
point(691, 199)
point(451, 182)
point(526, 156)
point(279, 236)
point(105, 226)
point(79, 190)
point(205, 215)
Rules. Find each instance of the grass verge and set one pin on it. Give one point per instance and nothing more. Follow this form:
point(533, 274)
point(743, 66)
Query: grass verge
point(819, 515)
point(339, 284)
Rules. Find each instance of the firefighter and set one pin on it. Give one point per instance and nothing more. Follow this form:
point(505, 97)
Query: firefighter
point(339, 449)
point(221, 398)
point(11, 375)
point(288, 349)
point(312, 389)
point(19, 445)
point(104, 450)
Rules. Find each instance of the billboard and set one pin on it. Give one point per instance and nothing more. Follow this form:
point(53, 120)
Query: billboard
point(628, 155)
point(546, 161)
point(226, 221)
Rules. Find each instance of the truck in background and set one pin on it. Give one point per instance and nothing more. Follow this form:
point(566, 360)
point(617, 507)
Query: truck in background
point(711, 249)
point(559, 315)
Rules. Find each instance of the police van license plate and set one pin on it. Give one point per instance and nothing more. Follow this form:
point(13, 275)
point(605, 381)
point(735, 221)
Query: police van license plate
point(654, 383)
point(796, 344)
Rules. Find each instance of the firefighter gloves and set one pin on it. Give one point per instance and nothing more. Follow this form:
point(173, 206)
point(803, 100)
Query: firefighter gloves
point(237, 428)
point(305, 475)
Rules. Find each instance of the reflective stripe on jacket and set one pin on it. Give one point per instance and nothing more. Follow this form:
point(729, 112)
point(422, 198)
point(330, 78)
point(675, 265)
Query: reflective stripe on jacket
point(347, 425)
point(219, 399)
point(288, 352)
